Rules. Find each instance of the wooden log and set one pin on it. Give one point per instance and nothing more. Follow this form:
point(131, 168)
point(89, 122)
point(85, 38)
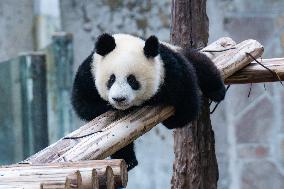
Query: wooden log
point(104, 143)
point(74, 180)
point(235, 58)
point(90, 180)
point(221, 45)
point(255, 73)
point(106, 178)
point(85, 167)
point(21, 186)
point(47, 180)
point(53, 185)
point(52, 152)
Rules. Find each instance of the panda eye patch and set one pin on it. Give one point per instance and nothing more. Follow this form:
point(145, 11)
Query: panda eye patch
point(110, 81)
point(132, 81)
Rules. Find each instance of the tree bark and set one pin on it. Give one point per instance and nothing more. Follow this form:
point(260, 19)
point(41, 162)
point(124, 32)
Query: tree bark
point(195, 165)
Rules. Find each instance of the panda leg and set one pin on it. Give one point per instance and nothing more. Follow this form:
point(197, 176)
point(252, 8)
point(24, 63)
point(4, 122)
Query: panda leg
point(128, 154)
point(209, 78)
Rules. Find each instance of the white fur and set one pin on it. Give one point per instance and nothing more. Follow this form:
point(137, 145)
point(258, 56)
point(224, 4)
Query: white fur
point(128, 58)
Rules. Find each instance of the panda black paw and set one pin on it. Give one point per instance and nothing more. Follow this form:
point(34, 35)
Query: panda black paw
point(131, 164)
point(173, 123)
point(217, 95)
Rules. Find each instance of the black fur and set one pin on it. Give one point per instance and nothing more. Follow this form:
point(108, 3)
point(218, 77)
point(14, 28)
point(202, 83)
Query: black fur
point(128, 154)
point(105, 44)
point(151, 48)
point(180, 89)
point(132, 81)
point(111, 81)
point(183, 72)
point(86, 100)
point(210, 80)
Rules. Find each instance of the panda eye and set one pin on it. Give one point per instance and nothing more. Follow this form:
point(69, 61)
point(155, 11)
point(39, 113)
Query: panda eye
point(131, 79)
point(110, 81)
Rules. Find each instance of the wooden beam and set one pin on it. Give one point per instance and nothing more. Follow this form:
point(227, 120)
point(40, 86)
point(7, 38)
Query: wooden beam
point(106, 141)
point(230, 57)
point(255, 73)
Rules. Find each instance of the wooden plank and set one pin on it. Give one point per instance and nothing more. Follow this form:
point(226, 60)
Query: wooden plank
point(60, 78)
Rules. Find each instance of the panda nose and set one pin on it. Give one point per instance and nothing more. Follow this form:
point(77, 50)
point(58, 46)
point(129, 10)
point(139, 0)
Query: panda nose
point(119, 99)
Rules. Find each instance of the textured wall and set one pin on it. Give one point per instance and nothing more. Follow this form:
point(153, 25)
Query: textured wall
point(88, 19)
point(249, 130)
point(16, 25)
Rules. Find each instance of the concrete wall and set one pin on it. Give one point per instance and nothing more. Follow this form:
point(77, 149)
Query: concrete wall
point(16, 27)
point(249, 130)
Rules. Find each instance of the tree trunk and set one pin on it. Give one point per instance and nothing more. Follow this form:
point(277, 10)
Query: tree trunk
point(195, 165)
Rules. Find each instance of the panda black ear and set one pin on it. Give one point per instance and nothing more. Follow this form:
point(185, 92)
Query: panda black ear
point(104, 44)
point(151, 48)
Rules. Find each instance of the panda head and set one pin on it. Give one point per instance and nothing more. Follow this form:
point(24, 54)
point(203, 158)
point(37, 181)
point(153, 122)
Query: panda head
point(128, 70)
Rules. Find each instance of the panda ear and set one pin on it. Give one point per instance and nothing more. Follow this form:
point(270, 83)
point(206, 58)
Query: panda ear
point(151, 48)
point(104, 44)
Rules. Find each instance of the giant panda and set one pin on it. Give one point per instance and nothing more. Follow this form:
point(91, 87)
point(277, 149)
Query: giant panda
point(124, 71)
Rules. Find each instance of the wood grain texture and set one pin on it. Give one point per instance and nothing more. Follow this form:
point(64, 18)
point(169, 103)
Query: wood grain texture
point(90, 171)
point(195, 165)
point(255, 73)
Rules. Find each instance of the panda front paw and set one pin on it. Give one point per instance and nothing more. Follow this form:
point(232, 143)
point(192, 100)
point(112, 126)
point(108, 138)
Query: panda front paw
point(217, 95)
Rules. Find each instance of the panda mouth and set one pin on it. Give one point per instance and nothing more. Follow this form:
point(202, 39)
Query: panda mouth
point(121, 106)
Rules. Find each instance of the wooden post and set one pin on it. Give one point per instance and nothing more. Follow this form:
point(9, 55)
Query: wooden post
point(195, 165)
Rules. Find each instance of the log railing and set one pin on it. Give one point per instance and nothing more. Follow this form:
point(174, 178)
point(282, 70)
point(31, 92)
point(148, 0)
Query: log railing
point(108, 174)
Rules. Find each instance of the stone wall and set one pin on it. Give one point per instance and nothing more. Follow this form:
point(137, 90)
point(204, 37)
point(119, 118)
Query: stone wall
point(248, 125)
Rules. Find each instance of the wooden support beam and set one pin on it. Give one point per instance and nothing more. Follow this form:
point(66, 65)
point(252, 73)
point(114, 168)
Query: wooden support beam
point(230, 57)
point(102, 144)
point(255, 73)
